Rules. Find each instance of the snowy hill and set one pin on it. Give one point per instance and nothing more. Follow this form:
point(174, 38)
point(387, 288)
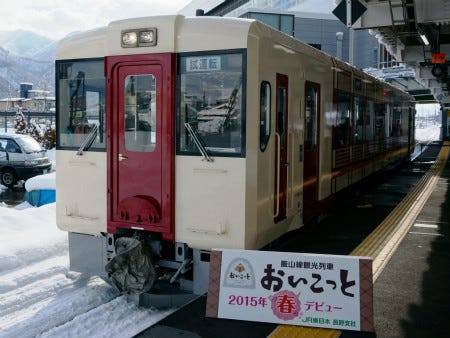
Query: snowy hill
point(26, 44)
point(25, 57)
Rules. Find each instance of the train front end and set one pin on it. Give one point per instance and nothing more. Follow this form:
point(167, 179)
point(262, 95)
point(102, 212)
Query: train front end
point(151, 151)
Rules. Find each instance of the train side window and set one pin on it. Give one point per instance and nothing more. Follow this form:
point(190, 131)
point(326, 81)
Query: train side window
point(80, 97)
point(368, 120)
point(380, 112)
point(140, 112)
point(341, 132)
point(264, 115)
point(358, 120)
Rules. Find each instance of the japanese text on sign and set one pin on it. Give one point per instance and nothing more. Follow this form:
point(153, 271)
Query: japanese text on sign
point(293, 288)
point(203, 64)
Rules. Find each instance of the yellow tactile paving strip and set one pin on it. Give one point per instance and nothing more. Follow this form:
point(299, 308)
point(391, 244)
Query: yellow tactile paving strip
point(382, 242)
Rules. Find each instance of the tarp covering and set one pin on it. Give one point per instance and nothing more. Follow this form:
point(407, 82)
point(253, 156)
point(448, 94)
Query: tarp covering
point(40, 197)
point(131, 269)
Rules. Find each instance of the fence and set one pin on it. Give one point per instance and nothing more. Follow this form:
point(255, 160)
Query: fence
point(7, 118)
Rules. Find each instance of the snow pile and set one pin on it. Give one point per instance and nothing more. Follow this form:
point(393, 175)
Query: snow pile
point(40, 297)
point(41, 182)
point(29, 237)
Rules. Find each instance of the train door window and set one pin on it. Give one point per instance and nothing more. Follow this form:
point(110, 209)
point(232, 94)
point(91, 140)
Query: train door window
point(368, 121)
point(80, 97)
point(358, 120)
point(341, 134)
point(281, 115)
point(211, 100)
point(140, 112)
point(264, 115)
point(311, 106)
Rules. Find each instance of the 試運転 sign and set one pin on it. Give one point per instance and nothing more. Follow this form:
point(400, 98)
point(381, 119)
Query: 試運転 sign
point(325, 291)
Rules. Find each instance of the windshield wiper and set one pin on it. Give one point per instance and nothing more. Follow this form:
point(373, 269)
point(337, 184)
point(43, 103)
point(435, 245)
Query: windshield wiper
point(88, 140)
point(198, 142)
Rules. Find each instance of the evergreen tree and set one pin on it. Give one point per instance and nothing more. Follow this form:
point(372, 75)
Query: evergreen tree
point(20, 124)
point(49, 137)
point(35, 131)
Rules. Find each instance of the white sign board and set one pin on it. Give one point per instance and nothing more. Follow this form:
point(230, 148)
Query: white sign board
point(325, 291)
point(203, 63)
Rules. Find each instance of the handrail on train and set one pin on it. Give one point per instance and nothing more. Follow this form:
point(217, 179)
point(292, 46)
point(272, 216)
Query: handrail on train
point(88, 140)
point(198, 143)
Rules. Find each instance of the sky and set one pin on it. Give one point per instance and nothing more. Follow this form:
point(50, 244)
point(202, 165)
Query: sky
point(57, 18)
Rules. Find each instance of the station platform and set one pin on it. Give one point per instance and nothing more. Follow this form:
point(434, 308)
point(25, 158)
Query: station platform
point(401, 218)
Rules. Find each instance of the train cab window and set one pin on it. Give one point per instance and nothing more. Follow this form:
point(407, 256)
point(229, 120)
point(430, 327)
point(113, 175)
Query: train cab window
point(264, 115)
point(211, 103)
point(358, 120)
point(341, 131)
point(140, 113)
point(80, 98)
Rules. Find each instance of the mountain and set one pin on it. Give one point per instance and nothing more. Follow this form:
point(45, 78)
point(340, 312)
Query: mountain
point(25, 43)
point(26, 57)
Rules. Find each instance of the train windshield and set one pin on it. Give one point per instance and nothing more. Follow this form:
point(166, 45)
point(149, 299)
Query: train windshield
point(80, 101)
point(211, 103)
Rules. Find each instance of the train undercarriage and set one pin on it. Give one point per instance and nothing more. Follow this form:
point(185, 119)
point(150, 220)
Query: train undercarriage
point(160, 273)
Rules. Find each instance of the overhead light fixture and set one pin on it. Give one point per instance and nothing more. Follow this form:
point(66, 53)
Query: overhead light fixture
point(424, 39)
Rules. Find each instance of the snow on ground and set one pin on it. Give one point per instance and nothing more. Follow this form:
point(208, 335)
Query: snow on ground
point(428, 134)
point(40, 297)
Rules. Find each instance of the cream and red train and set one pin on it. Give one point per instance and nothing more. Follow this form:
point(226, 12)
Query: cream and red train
point(186, 134)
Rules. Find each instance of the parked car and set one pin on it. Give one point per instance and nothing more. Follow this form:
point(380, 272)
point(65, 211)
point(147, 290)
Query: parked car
point(21, 157)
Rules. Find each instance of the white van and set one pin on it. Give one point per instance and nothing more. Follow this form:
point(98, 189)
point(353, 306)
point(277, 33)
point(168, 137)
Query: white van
point(21, 157)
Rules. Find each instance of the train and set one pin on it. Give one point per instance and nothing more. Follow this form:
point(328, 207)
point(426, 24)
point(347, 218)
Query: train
point(177, 135)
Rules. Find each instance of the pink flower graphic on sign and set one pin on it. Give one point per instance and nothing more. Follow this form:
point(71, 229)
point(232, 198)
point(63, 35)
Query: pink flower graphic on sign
point(285, 305)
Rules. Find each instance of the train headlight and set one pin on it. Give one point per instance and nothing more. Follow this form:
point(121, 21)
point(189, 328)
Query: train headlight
point(129, 39)
point(144, 37)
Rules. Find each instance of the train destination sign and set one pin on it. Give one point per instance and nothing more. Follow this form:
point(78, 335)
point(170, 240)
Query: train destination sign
point(203, 63)
point(327, 291)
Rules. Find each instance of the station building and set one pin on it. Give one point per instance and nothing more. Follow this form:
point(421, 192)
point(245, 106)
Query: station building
point(302, 20)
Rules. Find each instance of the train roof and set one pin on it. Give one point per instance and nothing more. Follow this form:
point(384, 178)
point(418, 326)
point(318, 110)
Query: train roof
point(177, 34)
point(174, 34)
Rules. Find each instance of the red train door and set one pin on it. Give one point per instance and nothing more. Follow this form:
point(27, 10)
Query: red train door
point(141, 151)
point(311, 147)
point(281, 153)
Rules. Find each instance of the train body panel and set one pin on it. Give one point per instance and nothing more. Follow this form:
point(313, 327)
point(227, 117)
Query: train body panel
point(196, 133)
point(81, 198)
point(209, 202)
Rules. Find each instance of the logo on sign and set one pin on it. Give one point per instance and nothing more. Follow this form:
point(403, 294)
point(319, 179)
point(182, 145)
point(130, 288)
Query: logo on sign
point(239, 274)
point(285, 305)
